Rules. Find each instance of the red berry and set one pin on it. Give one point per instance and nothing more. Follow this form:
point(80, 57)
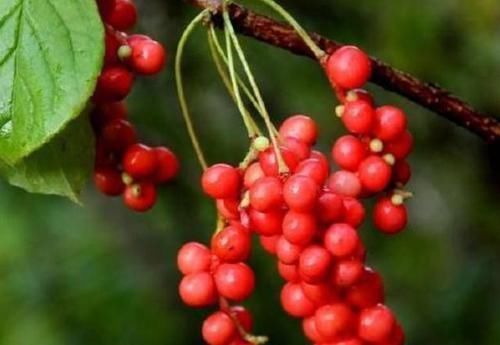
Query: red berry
point(376, 324)
point(198, 290)
point(140, 197)
point(194, 257)
point(105, 113)
point(243, 316)
point(288, 253)
point(320, 294)
point(390, 123)
point(114, 84)
point(321, 158)
point(266, 194)
point(354, 214)
point(232, 244)
point(348, 341)
point(113, 41)
point(349, 67)
point(221, 181)
point(228, 208)
point(344, 183)
point(314, 264)
point(347, 272)
point(389, 218)
point(109, 181)
point(341, 240)
point(118, 134)
point(235, 281)
point(358, 117)
point(401, 172)
point(397, 337)
point(219, 329)
point(314, 169)
point(266, 223)
point(375, 174)
point(167, 165)
point(252, 174)
point(299, 228)
point(348, 152)
point(300, 193)
point(401, 146)
point(294, 301)
point(360, 94)
point(299, 148)
point(139, 161)
point(300, 127)
point(105, 7)
point(269, 163)
point(334, 320)
point(269, 243)
point(123, 16)
point(104, 157)
point(311, 332)
point(367, 292)
point(330, 208)
point(288, 272)
point(148, 56)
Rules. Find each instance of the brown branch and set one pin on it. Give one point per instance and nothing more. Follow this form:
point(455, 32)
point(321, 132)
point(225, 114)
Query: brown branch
point(432, 97)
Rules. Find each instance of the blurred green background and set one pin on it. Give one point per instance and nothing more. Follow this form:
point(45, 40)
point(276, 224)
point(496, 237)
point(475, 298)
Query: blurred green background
point(100, 274)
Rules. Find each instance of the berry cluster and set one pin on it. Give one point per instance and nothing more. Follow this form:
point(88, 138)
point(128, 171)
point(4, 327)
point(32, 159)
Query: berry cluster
point(123, 166)
point(308, 217)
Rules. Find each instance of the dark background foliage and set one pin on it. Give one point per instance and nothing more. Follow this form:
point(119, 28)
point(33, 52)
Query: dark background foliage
point(100, 274)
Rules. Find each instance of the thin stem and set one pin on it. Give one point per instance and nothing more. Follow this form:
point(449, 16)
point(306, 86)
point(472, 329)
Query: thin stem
point(180, 87)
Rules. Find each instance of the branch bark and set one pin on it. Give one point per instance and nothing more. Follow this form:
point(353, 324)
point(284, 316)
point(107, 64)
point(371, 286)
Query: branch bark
point(430, 96)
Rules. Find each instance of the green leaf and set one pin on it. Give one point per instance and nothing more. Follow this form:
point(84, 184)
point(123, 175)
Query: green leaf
point(60, 167)
point(50, 56)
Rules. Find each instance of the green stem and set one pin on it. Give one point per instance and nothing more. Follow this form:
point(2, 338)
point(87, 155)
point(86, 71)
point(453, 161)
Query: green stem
point(180, 87)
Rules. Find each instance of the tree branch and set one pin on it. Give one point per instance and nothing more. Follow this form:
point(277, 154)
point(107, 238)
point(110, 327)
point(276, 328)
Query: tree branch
point(430, 96)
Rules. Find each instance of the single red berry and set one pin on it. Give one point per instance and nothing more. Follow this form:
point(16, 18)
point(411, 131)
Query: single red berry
point(397, 337)
point(320, 294)
point(229, 208)
point(140, 197)
point(118, 134)
point(358, 117)
point(321, 157)
point(243, 316)
point(235, 281)
point(349, 67)
point(109, 181)
point(266, 223)
point(314, 169)
point(269, 163)
point(345, 183)
point(113, 41)
point(148, 56)
point(114, 84)
point(123, 16)
point(300, 193)
point(361, 95)
point(104, 157)
point(299, 227)
point(288, 253)
point(341, 239)
point(221, 181)
point(401, 146)
point(232, 244)
point(194, 257)
point(139, 161)
point(105, 7)
point(348, 152)
point(266, 194)
point(314, 264)
point(401, 172)
point(367, 292)
point(168, 165)
point(376, 324)
point(311, 332)
point(300, 127)
point(252, 174)
point(298, 147)
point(389, 218)
point(289, 273)
point(390, 123)
point(374, 174)
point(334, 320)
point(330, 208)
point(354, 213)
point(198, 290)
point(269, 243)
point(219, 329)
point(347, 272)
point(105, 113)
point(294, 301)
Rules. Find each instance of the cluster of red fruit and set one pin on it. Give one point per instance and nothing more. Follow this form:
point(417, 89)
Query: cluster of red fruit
point(308, 217)
point(123, 166)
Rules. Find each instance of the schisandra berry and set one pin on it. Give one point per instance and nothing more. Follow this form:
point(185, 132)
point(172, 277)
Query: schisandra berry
point(374, 174)
point(400, 147)
point(311, 332)
point(148, 56)
point(314, 169)
point(113, 41)
point(289, 273)
point(300, 193)
point(266, 194)
point(253, 173)
point(299, 227)
point(198, 290)
point(219, 329)
point(358, 117)
point(295, 302)
point(118, 134)
point(232, 244)
point(354, 213)
point(167, 165)
point(401, 172)
point(376, 324)
point(359, 95)
point(389, 218)
point(330, 208)
point(109, 181)
point(122, 16)
point(345, 183)
point(390, 123)
point(140, 197)
point(320, 293)
point(299, 148)
point(269, 163)
point(221, 181)
point(367, 292)
point(266, 223)
point(234, 281)
point(341, 240)
point(349, 67)
point(348, 152)
point(140, 161)
point(194, 257)
point(114, 84)
point(105, 113)
point(228, 208)
point(287, 252)
point(243, 316)
point(334, 320)
point(300, 127)
point(347, 272)
point(314, 264)
point(269, 243)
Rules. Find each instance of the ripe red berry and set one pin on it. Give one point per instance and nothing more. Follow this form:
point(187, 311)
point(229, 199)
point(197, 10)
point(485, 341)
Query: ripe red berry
point(167, 165)
point(140, 197)
point(219, 329)
point(221, 181)
point(401, 146)
point(300, 127)
point(198, 290)
point(367, 292)
point(105, 7)
point(114, 84)
point(118, 134)
point(299, 148)
point(347, 272)
point(349, 67)
point(109, 181)
point(235, 281)
point(269, 163)
point(314, 169)
point(360, 94)
point(194, 257)
point(104, 113)
point(341, 239)
point(311, 332)
point(401, 172)
point(321, 158)
point(344, 183)
point(376, 324)
point(266, 223)
point(266, 194)
point(123, 16)
point(320, 294)
point(300, 193)
point(314, 264)
point(358, 117)
point(148, 56)
point(243, 316)
point(348, 341)
point(334, 320)
point(389, 218)
point(374, 174)
point(269, 243)
point(289, 273)
point(294, 301)
point(354, 213)
point(113, 41)
point(299, 227)
point(232, 244)
point(288, 253)
point(390, 123)
point(139, 161)
point(252, 174)
point(348, 152)
point(330, 208)
point(228, 208)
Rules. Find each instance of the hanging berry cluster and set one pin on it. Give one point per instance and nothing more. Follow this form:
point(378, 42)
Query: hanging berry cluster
point(123, 166)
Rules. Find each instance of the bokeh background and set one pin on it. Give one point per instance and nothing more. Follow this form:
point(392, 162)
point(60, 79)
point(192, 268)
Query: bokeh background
point(101, 275)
